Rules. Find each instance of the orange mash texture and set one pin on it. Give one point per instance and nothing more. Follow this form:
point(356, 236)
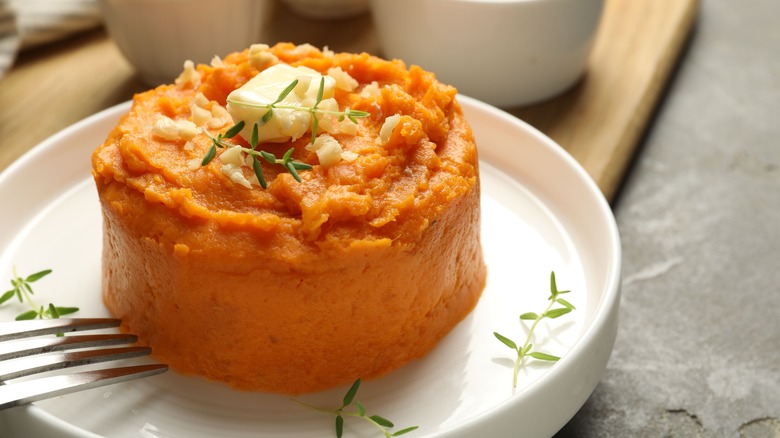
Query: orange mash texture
point(353, 272)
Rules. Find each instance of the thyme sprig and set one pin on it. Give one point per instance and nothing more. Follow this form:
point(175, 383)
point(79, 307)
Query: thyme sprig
point(286, 161)
point(381, 423)
point(348, 113)
point(24, 292)
point(526, 349)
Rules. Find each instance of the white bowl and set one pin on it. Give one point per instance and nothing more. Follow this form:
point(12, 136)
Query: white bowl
point(327, 9)
point(503, 52)
point(157, 36)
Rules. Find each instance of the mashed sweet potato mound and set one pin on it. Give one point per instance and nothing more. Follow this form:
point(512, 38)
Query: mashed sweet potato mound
point(353, 272)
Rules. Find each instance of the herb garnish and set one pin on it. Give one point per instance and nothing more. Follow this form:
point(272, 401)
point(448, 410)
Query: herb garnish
point(381, 423)
point(525, 350)
point(350, 114)
point(23, 291)
point(286, 161)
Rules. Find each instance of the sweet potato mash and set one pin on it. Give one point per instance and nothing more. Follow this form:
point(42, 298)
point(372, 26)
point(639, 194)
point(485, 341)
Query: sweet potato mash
point(359, 268)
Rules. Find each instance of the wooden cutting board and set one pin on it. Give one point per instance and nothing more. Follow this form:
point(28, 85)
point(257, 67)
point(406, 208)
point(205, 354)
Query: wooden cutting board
point(600, 121)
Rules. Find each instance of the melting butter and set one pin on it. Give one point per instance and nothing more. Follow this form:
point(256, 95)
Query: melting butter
point(249, 102)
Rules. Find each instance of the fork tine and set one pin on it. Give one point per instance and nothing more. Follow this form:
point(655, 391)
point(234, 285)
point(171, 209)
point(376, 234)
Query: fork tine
point(38, 327)
point(39, 389)
point(56, 361)
point(13, 350)
point(18, 364)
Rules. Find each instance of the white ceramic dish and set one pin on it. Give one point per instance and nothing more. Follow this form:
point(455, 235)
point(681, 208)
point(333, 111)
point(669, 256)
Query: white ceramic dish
point(327, 9)
point(155, 36)
point(541, 213)
point(504, 52)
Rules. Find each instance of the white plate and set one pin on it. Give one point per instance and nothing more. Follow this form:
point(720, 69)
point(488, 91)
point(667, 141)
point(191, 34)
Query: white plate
point(541, 213)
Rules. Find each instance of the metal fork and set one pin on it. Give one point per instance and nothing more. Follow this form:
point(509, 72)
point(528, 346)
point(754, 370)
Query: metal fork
point(20, 357)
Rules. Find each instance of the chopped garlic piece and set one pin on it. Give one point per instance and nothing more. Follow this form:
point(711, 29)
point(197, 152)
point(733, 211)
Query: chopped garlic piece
point(328, 150)
point(326, 52)
point(378, 110)
point(200, 116)
point(187, 129)
point(302, 87)
point(189, 146)
point(236, 175)
point(169, 129)
point(343, 80)
point(318, 142)
point(207, 113)
point(260, 56)
point(370, 90)
point(188, 76)
point(233, 155)
point(247, 102)
point(387, 128)
point(325, 121)
point(348, 156)
point(347, 127)
point(232, 160)
point(216, 62)
point(199, 109)
point(219, 116)
point(329, 154)
point(304, 50)
point(194, 163)
point(200, 100)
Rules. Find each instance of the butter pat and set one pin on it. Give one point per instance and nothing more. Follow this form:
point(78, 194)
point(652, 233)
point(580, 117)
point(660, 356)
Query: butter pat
point(249, 103)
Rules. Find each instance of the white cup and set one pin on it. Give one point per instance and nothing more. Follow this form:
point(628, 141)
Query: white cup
point(157, 36)
point(327, 9)
point(504, 52)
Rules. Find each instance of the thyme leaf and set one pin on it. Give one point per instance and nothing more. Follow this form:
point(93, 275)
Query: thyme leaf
point(212, 152)
point(234, 130)
point(286, 91)
point(257, 168)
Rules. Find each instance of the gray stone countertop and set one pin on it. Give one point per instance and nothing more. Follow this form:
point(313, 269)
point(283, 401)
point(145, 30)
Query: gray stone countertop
point(698, 348)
